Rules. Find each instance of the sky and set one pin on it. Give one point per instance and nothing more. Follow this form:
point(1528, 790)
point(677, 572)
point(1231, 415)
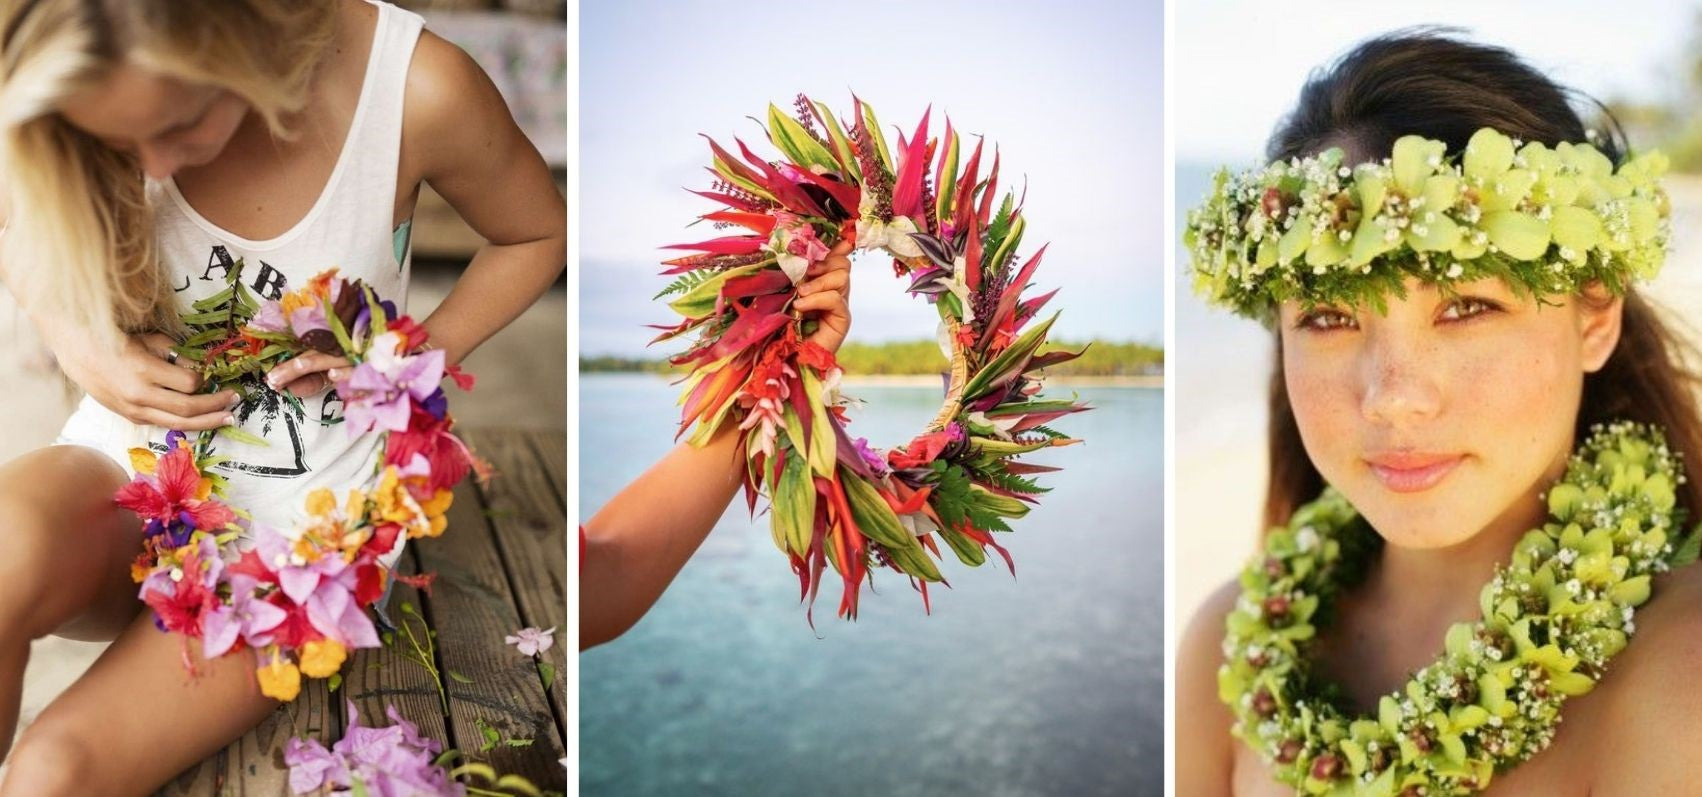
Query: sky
point(1071, 93)
point(1239, 65)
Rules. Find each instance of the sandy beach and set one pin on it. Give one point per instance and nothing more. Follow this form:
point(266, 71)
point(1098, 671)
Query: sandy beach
point(522, 383)
point(1223, 364)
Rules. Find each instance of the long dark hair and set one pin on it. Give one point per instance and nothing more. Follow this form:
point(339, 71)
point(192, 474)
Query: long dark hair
point(1431, 82)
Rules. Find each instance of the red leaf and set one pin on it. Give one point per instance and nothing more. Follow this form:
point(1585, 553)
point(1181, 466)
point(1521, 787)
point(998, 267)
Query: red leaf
point(912, 167)
point(730, 245)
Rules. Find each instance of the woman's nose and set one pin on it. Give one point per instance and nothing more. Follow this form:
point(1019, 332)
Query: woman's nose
point(1400, 386)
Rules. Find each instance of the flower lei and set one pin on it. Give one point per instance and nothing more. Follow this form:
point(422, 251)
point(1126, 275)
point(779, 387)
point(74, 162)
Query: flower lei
point(1543, 220)
point(299, 595)
point(836, 500)
point(1551, 621)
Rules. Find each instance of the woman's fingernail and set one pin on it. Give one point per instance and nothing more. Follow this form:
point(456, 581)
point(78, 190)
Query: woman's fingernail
point(235, 399)
point(230, 420)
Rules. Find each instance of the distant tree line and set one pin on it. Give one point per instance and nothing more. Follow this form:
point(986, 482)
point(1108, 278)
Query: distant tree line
point(920, 357)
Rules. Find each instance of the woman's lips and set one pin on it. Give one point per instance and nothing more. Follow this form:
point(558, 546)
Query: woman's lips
point(1411, 472)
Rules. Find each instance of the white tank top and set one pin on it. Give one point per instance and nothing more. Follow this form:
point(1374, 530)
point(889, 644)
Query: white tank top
point(349, 228)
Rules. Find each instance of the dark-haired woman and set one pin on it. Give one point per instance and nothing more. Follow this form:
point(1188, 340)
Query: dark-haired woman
point(1442, 405)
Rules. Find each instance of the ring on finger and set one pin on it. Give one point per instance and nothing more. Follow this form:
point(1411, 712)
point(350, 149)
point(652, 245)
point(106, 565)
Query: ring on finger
point(171, 356)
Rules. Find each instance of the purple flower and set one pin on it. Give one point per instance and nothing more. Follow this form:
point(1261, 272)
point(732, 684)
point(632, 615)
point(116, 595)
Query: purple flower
point(309, 318)
point(873, 459)
point(312, 766)
point(246, 617)
point(325, 588)
point(380, 392)
point(394, 761)
point(270, 318)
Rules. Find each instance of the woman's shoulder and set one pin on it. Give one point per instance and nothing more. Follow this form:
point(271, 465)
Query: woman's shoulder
point(451, 107)
point(1205, 751)
point(1651, 701)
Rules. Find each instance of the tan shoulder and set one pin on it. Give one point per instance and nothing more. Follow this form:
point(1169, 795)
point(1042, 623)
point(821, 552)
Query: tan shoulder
point(450, 104)
point(1652, 703)
point(1204, 748)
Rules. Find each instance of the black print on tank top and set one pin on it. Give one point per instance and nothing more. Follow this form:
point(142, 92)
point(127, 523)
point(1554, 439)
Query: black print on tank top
point(264, 412)
point(270, 283)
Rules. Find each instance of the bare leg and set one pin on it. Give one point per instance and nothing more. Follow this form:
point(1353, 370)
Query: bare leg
point(136, 719)
point(68, 550)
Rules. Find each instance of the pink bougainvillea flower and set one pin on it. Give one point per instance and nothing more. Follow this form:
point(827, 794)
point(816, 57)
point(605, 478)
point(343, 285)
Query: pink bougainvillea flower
point(392, 761)
point(270, 318)
point(531, 641)
point(381, 391)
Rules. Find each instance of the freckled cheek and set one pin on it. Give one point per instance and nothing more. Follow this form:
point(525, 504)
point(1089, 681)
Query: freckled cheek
point(1523, 405)
point(1326, 409)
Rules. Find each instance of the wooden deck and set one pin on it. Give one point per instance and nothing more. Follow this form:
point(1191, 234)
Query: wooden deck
point(500, 566)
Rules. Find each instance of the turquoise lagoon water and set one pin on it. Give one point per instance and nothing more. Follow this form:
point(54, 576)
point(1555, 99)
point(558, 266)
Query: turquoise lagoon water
point(1050, 683)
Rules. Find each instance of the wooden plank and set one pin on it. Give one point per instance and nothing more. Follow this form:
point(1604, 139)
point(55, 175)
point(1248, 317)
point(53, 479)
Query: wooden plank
point(552, 451)
point(530, 524)
point(473, 608)
point(253, 766)
point(389, 676)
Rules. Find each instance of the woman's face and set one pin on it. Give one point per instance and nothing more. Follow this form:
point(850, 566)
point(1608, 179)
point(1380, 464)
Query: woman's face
point(167, 123)
point(1448, 412)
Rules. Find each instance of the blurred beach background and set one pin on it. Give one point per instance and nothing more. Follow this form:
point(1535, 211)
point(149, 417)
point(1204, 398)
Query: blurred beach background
point(1238, 67)
point(1046, 683)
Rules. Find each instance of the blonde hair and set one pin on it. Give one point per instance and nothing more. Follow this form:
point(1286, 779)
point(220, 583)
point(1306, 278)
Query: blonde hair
point(79, 240)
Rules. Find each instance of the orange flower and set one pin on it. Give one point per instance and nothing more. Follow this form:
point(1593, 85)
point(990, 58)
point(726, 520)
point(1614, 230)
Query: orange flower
point(279, 680)
point(321, 658)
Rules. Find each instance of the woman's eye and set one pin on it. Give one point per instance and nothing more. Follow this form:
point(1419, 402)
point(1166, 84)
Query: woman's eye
point(1324, 319)
point(1466, 307)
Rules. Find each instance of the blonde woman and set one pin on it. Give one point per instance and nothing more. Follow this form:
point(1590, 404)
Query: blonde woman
point(151, 150)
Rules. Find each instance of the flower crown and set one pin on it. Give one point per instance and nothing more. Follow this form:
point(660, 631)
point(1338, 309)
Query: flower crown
point(1544, 220)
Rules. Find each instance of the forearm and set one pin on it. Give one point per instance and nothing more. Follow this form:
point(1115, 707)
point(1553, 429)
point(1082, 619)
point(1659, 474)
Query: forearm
point(637, 543)
point(499, 284)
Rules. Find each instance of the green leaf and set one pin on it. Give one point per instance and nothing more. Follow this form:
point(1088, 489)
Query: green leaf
point(701, 299)
point(873, 516)
point(240, 436)
point(685, 283)
point(458, 677)
point(337, 330)
point(490, 735)
point(547, 671)
point(518, 784)
point(948, 187)
point(475, 768)
point(824, 444)
point(517, 742)
point(797, 143)
point(334, 681)
point(1002, 368)
point(875, 133)
point(794, 504)
point(841, 143)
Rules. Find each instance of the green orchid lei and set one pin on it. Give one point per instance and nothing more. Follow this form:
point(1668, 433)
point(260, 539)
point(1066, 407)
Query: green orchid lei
point(1551, 620)
point(1546, 221)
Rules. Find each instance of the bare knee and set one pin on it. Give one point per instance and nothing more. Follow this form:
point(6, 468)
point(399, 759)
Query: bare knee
point(63, 535)
point(48, 761)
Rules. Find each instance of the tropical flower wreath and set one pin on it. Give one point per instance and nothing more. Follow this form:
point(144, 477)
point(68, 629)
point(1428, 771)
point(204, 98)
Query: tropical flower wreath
point(835, 500)
point(1545, 220)
point(297, 595)
point(1551, 621)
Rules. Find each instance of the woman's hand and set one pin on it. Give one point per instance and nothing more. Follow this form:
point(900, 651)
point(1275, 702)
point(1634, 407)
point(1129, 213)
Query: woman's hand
point(826, 296)
point(307, 374)
point(145, 384)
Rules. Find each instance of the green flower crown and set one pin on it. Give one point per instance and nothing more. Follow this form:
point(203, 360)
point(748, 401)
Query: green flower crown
point(1546, 221)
